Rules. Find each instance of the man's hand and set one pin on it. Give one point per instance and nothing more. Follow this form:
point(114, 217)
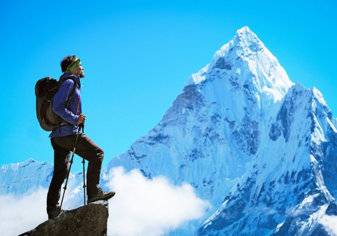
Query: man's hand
point(81, 119)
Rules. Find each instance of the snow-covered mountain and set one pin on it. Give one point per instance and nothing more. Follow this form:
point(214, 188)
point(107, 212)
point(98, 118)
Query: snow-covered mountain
point(21, 177)
point(259, 148)
point(214, 129)
point(25, 177)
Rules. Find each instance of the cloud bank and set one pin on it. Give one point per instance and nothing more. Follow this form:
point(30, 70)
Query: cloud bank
point(140, 207)
point(20, 214)
point(149, 207)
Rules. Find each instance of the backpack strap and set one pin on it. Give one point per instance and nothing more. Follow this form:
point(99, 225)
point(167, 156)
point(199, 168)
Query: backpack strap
point(71, 95)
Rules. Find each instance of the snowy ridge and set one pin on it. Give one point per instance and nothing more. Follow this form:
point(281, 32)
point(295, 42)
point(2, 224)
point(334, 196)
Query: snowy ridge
point(21, 177)
point(25, 177)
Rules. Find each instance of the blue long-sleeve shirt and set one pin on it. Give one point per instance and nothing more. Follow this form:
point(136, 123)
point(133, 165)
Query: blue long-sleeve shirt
point(70, 113)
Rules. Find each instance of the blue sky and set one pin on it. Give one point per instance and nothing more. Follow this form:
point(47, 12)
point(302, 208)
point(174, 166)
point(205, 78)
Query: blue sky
point(138, 55)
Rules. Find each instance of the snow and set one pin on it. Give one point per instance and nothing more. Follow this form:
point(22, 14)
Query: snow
point(315, 217)
point(319, 96)
point(332, 125)
point(18, 178)
point(246, 58)
point(334, 122)
point(330, 223)
point(199, 77)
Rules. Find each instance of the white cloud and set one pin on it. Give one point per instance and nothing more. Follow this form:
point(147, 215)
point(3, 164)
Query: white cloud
point(149, 207)
point(140, 207)
point(21, 214)
point(330, 223)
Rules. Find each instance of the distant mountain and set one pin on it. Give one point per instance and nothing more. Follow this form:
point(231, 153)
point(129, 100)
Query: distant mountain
point(25, 177)
point(21, 177)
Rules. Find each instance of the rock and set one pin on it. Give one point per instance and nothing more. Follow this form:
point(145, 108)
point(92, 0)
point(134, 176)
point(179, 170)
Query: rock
point(86, 220)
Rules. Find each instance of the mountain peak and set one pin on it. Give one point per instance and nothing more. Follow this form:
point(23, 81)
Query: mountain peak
point(245, 34)
point(244, 29)
point(245, 61)
point(246, 42)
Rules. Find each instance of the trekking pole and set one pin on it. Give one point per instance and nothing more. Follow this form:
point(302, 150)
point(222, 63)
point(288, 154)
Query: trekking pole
point(83, 171)
point(84, 185)
point(71, 162)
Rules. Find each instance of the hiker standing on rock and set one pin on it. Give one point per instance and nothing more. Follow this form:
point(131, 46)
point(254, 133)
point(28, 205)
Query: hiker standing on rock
point(67, 105)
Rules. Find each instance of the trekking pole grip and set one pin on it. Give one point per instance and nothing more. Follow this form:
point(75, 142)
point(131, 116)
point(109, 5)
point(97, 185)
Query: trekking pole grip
point(81, 127)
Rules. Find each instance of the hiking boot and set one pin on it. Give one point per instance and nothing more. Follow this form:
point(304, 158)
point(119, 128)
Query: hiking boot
point(100, 195)
point(54, 212)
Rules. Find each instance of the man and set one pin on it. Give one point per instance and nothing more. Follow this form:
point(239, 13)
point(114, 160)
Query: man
point(67, 105)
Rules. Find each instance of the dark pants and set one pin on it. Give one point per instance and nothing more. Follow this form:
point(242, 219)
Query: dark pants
point(62, 153)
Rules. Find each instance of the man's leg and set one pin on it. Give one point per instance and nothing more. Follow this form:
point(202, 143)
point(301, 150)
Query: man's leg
point(88, 150)
point(61, 158)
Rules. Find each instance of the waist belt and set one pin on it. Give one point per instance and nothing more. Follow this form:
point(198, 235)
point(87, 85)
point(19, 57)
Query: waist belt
point(64, 123)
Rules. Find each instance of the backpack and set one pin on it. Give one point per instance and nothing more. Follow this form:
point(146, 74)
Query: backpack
point(45, 89)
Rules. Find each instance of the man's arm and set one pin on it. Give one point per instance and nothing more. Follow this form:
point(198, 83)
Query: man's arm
point(60, 100)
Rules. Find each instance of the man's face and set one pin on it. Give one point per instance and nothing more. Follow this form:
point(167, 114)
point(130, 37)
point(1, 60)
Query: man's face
point(79, 71)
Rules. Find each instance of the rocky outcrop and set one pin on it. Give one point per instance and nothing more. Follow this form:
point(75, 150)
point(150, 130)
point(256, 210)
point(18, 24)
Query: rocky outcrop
point(86, 220)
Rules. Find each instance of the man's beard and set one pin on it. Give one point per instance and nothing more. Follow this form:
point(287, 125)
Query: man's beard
point(81, 75)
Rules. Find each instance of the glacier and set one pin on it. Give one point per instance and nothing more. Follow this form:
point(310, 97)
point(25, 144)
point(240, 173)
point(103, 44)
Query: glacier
point(260, 148)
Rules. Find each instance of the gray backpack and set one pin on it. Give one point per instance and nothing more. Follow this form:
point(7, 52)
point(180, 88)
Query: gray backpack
point(45, 89)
